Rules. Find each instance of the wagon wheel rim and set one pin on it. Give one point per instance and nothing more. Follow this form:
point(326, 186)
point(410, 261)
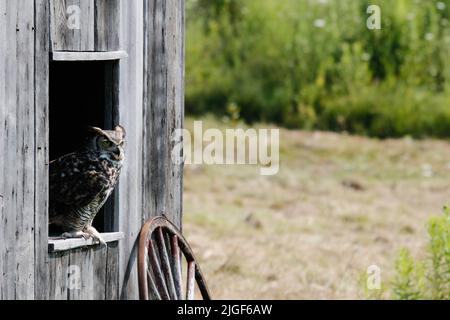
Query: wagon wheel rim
point(161, 250)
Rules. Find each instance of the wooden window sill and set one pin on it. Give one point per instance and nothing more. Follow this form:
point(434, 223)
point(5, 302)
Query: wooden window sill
point(87, 55)
point(56, 244)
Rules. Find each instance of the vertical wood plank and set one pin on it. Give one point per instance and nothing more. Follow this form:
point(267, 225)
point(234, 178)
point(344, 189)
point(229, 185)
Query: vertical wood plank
point(107, 25)
point(155, 109)
point(164, 106)
point(3, 109)
point(58, 276)
point(175, 104)
point(84, 273)
point(17, 130)
point(74, 292)
point(87, 274)
point(66, 37)
point(81, 263)
point(130, 116)
point(112, 271)
point(41, 80)
point(100, 265)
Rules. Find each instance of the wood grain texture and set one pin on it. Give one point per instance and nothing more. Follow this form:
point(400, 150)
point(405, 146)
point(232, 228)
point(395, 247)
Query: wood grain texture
point(99, 277)
point(59, 244)
point(158, 98)
point(130, 115)
point(175, 104)
point(87, 55)
point(149, 99)
point(17, 159)
point(81, 277)
point(66, 34)
point(3, 110)
point(58, 276)
point(41, 116)
point(84, 273)
point(156, 149)
point(98, 28)
point(112, 272)
point(163, 106)
point(107, 25)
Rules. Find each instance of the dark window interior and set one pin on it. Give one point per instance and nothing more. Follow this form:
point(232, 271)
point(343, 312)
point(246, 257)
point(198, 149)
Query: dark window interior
point(82, 94)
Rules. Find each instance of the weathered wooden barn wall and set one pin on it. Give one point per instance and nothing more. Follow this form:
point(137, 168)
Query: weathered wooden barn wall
point(152, 84)
point(17, 145)
point(131, 116)
point(99, 25)
point(98, 270)
point(163, 105)
point(150, 94)
point(41, 116)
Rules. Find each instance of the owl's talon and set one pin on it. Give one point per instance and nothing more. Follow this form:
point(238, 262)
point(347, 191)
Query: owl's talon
point(75, 234)
point(95, 235)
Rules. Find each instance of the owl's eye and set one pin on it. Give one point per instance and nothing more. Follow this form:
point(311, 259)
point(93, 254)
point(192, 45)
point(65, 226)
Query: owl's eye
point(106, 144)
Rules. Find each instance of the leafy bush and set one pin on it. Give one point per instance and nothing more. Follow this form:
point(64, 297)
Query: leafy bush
point(314, 64)
point(428, 278)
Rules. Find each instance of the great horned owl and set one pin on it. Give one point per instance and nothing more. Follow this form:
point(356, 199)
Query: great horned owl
point(81, 182)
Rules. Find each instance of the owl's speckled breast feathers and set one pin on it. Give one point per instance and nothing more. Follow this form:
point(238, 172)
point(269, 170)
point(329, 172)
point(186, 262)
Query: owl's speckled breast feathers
point(81, 182)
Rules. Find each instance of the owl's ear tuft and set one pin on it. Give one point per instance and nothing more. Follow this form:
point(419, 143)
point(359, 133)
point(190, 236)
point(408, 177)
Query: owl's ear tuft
point(120, 131)
point(95, 130)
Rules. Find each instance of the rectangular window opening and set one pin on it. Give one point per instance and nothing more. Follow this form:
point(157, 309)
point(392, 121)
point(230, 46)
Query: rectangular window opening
point(82, 94)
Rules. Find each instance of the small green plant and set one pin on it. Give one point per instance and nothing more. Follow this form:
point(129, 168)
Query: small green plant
point(428, 278)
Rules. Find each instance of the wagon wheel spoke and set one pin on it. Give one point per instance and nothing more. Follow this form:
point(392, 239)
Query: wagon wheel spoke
point(176, 264)
point(159, 277)
point(190, 290)
point(161, 252)
point(164, 257)
point(153, 290)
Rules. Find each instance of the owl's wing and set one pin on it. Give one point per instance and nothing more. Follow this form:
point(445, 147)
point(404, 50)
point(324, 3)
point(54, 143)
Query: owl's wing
point(72, 183)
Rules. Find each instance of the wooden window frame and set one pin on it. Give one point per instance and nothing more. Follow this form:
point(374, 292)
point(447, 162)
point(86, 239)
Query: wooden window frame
point(110, 222)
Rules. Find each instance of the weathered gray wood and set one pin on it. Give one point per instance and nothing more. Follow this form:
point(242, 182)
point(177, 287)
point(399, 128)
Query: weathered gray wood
point(59, 244)
point(81, 262)
point(112, 272)
point(66, 37)
point(41, 76)
point(87, 56)
point(100, 266)
point(75, 274)
point(163, 105)
point(150, 95)
point(175, 104)
point(130, 116)
point(84, 273)
point(155, 109)
point(58, 276)
point(3, 109)
point(107, 25)
point(150, 186)
point(17, 130)
point(87, 276)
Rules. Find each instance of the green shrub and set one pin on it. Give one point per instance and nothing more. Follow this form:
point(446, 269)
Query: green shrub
point(428, 278)
point(314, 64)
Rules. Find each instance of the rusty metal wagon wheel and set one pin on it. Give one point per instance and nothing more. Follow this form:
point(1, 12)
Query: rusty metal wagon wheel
point(161, 251)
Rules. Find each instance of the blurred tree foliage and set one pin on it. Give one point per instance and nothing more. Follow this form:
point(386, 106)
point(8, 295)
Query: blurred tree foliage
point(314, 64)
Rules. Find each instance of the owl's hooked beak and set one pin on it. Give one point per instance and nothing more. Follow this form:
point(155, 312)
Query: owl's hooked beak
point(118, 156)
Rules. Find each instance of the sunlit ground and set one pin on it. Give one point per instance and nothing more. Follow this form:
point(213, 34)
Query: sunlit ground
point(339, 204)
